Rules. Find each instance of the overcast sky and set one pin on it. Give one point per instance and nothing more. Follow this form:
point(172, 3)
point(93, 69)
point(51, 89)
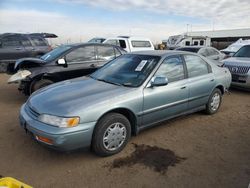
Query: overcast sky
point(80, 20)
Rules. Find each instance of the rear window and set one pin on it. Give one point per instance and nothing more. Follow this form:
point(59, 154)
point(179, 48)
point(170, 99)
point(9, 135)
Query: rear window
point(39, 41)
point(140, 44)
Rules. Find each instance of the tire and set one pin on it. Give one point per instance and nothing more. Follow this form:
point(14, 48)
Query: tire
point(3, 67)
point(111, 134)
point(38, 84)
point(214, 102)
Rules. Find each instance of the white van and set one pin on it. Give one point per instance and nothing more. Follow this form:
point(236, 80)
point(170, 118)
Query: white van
point(131, 44)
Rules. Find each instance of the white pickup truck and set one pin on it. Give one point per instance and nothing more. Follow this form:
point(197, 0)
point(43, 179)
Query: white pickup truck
point(131, 44)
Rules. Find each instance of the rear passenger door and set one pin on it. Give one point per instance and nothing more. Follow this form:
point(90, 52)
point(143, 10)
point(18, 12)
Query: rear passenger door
point(104, 54)
point(11, 48)
point(200, 81)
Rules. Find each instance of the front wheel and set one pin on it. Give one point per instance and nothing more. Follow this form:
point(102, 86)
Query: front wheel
point(214, 102)
point(111, 134)
point(38, 84)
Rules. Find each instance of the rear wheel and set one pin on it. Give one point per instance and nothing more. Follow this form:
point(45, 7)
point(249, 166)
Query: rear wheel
point(38, 84)
point(111, 134)
point(214, 102)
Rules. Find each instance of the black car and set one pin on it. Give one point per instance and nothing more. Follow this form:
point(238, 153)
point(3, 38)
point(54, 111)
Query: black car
point(14, 46)
point(62, 63)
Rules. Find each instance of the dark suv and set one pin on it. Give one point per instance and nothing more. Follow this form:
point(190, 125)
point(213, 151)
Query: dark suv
point(14, 46)
point(62, 63)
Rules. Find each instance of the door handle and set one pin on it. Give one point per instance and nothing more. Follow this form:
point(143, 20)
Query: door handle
point(92, 65)
point(18, 48)
point(183, 87)
point(211, 80)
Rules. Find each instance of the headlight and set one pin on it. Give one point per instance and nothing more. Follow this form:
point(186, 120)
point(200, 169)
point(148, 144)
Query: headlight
point(20, 75)
point(59, 121)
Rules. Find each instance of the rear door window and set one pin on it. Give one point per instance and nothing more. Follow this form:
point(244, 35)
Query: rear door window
point(105, 53)
point(196, 66)
point(82, 54)
point(38, 41)
point(25, 41)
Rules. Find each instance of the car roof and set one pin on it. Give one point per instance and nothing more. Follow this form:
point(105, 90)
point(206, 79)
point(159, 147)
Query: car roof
point(43, 35)
point(75, 45)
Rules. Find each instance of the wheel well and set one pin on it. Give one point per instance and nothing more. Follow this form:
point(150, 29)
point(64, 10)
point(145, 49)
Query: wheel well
point(221, 88)
point(129, 115)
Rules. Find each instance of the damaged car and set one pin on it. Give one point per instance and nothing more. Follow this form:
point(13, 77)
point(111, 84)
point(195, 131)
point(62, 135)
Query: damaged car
point(64, 62)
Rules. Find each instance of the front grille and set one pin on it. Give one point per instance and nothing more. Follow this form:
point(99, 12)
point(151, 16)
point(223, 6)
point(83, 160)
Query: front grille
point(238, 69)
point(31, 112)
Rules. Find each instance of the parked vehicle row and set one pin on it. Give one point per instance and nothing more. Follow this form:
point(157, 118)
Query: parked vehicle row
point(128, 94)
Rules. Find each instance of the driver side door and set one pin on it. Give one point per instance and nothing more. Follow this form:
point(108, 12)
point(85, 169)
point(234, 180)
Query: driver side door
point(80, 62)
point(164, 102)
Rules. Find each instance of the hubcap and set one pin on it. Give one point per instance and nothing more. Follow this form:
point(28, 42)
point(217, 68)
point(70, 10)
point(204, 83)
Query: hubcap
point(215, 102)
point(114, 136)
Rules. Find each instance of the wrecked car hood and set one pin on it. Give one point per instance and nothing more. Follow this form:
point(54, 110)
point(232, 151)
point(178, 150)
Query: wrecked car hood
point(23, 61)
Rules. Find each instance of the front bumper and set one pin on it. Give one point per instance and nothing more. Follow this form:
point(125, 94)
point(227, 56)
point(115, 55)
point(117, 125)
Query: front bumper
point(64, 139)
point(242, 81)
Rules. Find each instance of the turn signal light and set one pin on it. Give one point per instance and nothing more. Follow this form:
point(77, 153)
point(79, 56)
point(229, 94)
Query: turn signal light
point(45, 140)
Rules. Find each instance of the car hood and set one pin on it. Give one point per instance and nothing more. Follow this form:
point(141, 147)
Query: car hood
point(28, 61)
point(69, 97)
point(241, 61)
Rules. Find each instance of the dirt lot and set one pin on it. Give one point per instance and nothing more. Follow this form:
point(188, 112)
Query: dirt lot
point(191, 151)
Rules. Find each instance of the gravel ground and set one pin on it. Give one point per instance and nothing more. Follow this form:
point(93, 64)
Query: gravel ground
point(197, 151)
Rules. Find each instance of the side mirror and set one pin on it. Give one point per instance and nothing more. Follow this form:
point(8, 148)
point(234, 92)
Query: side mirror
point(159, 81)
point(61, 62)
point(231, 54)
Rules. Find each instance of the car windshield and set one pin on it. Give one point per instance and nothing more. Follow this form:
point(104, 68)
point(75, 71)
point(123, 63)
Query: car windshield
point(50, 56)
point(243, 52)
point(194, 50)
point(129, 70)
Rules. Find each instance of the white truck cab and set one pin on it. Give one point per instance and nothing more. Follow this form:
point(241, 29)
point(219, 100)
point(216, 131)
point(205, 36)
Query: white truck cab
point(131, 44)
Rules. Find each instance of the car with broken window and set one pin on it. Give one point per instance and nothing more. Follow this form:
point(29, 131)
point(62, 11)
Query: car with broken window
point(239, 66)
point(127, 95)
point(62, 63)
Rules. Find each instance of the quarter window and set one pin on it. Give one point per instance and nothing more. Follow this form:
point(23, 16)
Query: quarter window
point(196, 66)
point(105, 53)
point(172, 68)
point(86, 53)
